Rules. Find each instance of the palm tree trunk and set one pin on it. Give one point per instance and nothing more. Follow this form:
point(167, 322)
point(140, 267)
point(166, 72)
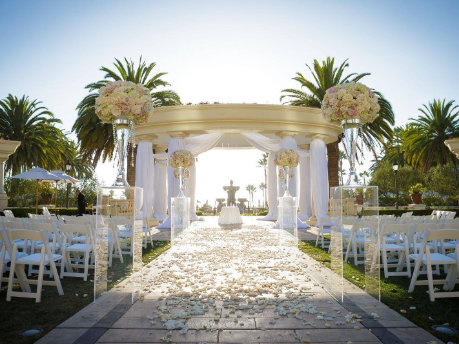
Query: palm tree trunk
point(130, 168)
point(333, 164)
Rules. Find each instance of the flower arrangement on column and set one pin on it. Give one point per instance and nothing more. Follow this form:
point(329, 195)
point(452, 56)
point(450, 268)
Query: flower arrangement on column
point(287, 159)
point(351, 105)
point(181, 160)
point(123, 104)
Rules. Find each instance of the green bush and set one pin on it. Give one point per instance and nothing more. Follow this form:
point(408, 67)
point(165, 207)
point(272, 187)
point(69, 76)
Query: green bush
point(399, 212)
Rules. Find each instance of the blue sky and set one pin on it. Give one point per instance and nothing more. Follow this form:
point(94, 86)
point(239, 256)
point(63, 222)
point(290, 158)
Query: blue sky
point(229, 51)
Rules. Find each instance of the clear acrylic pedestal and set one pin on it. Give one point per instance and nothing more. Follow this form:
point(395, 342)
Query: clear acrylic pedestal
point(354, 214)
point(180, 217)
point(287, 219)
point(118, 240)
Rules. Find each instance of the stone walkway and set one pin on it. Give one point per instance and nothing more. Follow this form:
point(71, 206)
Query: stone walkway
point(248, 285)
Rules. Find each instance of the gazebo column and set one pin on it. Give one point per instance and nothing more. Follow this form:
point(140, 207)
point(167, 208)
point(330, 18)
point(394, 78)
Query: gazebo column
point(304, 203)
point(7, 148)
point(160, 186)
point(319, 176)
point(177, 142)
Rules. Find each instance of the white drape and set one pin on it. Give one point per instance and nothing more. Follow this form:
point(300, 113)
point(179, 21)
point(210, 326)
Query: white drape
point(272, 190)
point(160, 191)
point(196, 145)
point(271, 146)
point(305, 189)
point(319, 178)
point(144, 175)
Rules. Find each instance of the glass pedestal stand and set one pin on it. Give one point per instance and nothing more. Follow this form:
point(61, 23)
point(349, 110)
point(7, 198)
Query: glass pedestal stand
point(287, 219)
point(118, 241)
point(354, 235)
point(180, 217)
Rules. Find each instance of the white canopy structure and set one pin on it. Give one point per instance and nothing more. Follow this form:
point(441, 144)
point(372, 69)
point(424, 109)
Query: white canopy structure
point(199, 128)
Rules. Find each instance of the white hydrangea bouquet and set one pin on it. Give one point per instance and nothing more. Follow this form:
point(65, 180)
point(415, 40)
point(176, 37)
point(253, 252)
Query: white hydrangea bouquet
point(119, 98)
point(181, 158)
point(186, 173)
point(286, 158)
point(351, 100)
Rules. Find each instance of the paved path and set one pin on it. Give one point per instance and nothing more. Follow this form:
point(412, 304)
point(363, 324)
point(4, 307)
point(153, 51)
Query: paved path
point(235, 286)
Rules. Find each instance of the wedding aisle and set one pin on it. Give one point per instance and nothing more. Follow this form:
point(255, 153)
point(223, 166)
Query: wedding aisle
point(235, 286)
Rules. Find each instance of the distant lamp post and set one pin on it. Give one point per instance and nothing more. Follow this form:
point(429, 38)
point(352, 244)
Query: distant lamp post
point(395, 167)
point(68, 167)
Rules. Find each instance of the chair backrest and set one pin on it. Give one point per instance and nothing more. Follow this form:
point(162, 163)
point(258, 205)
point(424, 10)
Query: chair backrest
point(33, 220)
point(392, 228)
point(8, 213)
point(30, 235)
point(69, 230)
point(14, 225)
point(46, 211)
point(76, 222)
point(433, 235)
point(451, 225)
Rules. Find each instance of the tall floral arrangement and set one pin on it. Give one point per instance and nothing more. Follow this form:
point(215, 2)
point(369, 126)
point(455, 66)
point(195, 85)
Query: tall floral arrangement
point(287, 158)
point(126, 98)
point(186, 173)
point(351, 100)
point(181, 158)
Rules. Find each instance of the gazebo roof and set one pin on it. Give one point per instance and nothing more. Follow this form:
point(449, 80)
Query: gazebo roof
point(301, 123)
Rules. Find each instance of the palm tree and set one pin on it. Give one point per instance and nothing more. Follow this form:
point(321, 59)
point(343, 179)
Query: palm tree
point(251, 189)
point(72, 154)
point(326, 76)
point(263, 162)
point(263, 187)
point(95, 137)
point(33, 125)
point(425, 137)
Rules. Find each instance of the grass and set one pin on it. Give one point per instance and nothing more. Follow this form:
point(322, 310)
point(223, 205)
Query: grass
point(21, 313)
point(394, 293)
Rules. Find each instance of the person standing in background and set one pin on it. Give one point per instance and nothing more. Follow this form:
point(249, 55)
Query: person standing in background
point(81, 201)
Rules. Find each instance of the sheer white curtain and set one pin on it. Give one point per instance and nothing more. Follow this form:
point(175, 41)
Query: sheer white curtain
point(196, 145)
point(144, 175)
point(305, 189)
point(319, 178)
point(172, 183)
point(160, 191)
point(271, 146)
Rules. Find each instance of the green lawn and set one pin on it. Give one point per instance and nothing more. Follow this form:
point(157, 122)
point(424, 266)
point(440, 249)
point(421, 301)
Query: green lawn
point(394, 293)
point(21, 313)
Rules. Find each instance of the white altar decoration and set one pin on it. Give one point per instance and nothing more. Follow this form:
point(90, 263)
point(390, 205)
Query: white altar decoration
point(230, 216)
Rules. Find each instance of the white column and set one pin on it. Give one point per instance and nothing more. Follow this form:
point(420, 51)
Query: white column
point(7, 148)
point(319, 176)
point(177, 142)
point(160, 191)
point(191, 192)
point(304, 203)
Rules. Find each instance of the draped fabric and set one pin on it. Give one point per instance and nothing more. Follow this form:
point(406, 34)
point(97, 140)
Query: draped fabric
point(172, 182)
point(196, 145)
point(160, 191)
point(272, 190)
point(144, 176)
point(305, 189)
point(319, 178)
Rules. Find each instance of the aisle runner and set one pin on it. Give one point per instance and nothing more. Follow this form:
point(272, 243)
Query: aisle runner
point(246, 272)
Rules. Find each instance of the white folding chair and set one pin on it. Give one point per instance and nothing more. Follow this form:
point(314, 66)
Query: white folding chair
point(427, 259)
point(396, 245)
point(360, 233)
point(68, 233)
point(44, 258)
point(325, 225)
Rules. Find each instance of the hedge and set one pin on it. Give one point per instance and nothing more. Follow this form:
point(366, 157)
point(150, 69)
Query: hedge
point(23, 212)
point(419, 212)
